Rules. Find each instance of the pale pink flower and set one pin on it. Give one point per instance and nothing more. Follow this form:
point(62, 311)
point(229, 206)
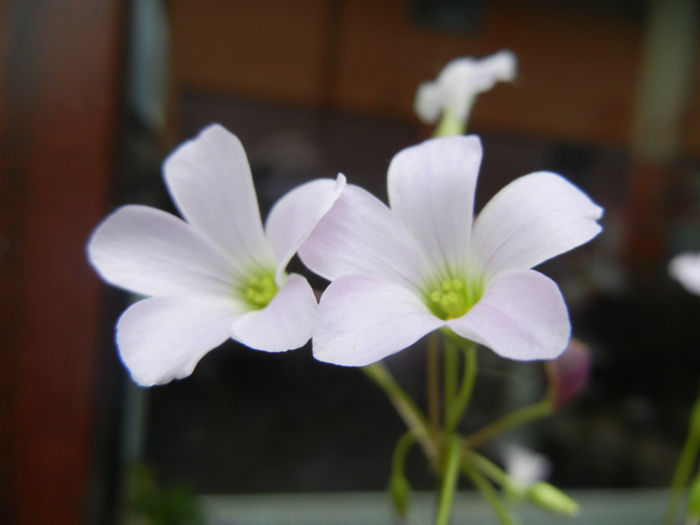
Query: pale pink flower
point(218, 273)
point(423, 264)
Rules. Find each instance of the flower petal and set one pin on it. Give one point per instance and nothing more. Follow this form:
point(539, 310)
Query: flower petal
point(163, 338)
point(282, 325)
point(525, 466)
point(292, 219)
point(685, 268)
point(431, 190)
point(428, 103)
point(151, 252)
point(522, 316)
point(462, 79)
point(532, 219)
point(364, 319)
point(210, 181)
point(359, 235)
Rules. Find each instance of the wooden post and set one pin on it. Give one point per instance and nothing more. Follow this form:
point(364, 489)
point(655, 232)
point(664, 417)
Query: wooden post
point(59, 94)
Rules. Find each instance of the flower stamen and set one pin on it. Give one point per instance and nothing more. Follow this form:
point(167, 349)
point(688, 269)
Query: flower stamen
point(452, 298)
point(259, 290)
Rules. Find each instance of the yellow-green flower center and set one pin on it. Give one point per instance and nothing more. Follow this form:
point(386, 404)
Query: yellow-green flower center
point(259, 290)
point(453, 297)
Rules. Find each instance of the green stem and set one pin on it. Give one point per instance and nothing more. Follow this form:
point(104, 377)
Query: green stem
point(461, 402)
point(481, 483)
point(432, 383)
point(399, 488)
point(489, 468)
point(405, 406)
point(451, 358)
point(523, 415)
point(685, 464)
point(449, 125)
point(449, 480)
point(398, 460)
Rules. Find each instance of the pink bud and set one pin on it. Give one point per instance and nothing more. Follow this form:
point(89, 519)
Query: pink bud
point(568, 373)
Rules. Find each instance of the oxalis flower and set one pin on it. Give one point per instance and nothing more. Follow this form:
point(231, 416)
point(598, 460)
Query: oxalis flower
point(456, 87)
point(525, 466)
point(685, 268)
point(399, 273)
point(218, 273)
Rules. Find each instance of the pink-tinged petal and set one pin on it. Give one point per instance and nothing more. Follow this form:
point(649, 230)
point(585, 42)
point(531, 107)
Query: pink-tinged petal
point(522, 316)
point(163, 338)
point(532, 219)
point(282, 325)
point(362, 320)
point(431, 190)
point(210, 181)
point(292, 219)
point(360, 235)
point(685, 268)
point(151, 252)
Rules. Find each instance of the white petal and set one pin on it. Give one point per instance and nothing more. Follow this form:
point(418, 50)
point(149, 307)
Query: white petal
point(362, 320)
point(283, 324)
point(210, 181)
point(685, 268)
point(428, 103)
point(292, 219)
point(522, 316)
point(532, 219)
point(151, 252)
point(163, 338)
point(431, 190)
point(525, 466)
point(462, 79)
point(359, 235)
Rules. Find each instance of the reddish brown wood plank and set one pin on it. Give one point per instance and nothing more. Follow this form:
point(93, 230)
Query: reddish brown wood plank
point(58, 114)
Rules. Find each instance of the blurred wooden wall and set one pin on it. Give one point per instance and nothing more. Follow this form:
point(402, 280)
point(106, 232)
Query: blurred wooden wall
point(59, 90)
point(579, 65)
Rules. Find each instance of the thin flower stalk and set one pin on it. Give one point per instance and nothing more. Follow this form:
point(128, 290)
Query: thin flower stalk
point(451, 362)
point(405, 407)
point(461, 400)
point(688, 458)
point(525, 414)
point(433, 382)
point(491, 496)
point(449, 480)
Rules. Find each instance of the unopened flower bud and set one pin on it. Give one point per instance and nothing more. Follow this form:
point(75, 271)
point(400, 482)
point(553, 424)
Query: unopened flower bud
point(552, 499)
point(400, 492)
point(568, 373)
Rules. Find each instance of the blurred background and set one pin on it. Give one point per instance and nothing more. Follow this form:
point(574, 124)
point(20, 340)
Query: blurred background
point(94, 94)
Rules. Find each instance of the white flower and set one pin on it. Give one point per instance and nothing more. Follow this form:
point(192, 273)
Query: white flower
point(458, 84)
point(400, 273)
point(525, 466)
point(218, 273)
point(685, 268)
